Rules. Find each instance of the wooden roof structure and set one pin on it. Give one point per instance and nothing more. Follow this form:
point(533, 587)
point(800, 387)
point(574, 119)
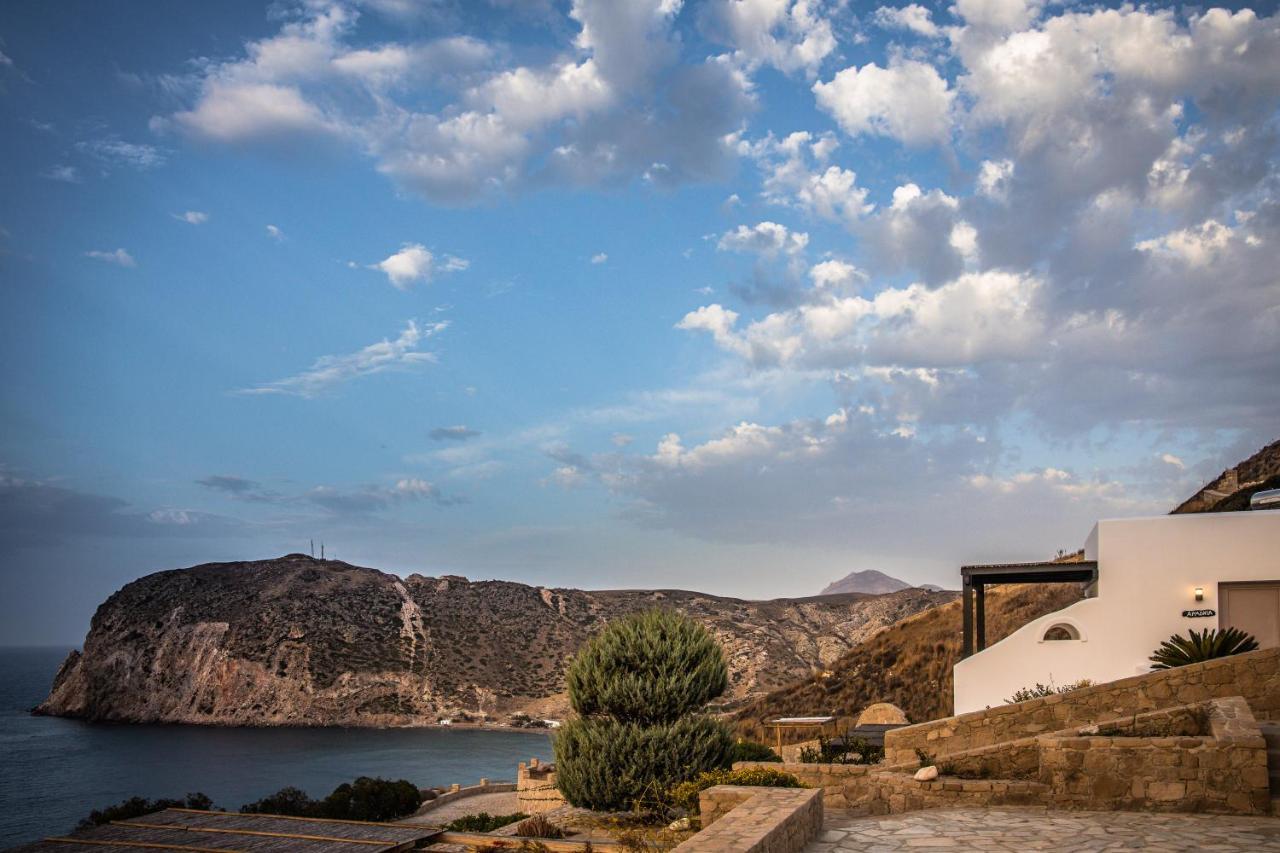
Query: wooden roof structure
point(230, 832)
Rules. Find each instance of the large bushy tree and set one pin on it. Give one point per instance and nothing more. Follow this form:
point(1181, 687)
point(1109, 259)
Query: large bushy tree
point(639, 689)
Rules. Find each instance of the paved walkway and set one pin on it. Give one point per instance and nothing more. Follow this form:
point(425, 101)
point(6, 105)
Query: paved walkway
point(494, 804)
point(1023, 829)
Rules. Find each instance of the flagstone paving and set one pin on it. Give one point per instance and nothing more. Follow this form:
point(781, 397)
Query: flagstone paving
point(1023, 829)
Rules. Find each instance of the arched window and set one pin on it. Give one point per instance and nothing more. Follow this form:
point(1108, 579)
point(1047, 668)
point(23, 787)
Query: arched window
point(1060, 631)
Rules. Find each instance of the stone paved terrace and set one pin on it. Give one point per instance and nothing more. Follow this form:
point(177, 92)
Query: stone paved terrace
point(1014, 830)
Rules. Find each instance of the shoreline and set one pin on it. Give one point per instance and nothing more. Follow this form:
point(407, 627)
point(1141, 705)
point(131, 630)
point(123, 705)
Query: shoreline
point(213, 724)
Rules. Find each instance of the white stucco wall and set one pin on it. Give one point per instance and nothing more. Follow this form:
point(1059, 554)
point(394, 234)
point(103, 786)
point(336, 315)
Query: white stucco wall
point(1148, 569)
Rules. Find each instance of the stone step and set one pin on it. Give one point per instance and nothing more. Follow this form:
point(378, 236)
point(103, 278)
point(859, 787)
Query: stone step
point(1271, 731)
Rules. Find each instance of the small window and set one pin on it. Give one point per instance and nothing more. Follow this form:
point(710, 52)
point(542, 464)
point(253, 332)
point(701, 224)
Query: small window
point(1061, 631)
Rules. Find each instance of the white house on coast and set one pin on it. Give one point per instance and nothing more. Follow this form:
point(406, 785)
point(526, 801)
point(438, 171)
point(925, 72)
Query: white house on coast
point(1151, 578)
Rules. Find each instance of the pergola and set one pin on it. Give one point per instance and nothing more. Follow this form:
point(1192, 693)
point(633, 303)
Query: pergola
point(976, 579)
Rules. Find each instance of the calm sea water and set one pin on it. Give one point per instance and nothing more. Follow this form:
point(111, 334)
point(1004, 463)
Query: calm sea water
point(53, 772)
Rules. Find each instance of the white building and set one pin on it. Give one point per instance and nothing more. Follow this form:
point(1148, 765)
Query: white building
point(1153, 577)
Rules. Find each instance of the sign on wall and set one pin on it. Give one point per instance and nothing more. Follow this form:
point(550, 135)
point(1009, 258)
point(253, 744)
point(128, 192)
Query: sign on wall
point(1195, 614)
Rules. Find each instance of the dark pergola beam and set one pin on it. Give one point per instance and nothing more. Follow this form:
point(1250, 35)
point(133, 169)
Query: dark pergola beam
point(975, 579)
point(966, 602)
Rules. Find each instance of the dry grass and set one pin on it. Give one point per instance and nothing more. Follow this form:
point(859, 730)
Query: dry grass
point(909, 664)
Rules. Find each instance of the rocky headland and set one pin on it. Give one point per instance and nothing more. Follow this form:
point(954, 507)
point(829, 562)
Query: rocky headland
point(302, 641)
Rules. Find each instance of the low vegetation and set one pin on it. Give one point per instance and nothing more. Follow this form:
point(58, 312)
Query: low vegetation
point(364, 799)
point(639, 688)
point(749, 750)
point(685, 795)
point(484, 822)
point(139, 806)
point(539, 826)
point(842, 751)
point(1201, 646)
point(1039, 691)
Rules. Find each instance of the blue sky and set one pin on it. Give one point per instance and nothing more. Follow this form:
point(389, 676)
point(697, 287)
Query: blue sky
point(736, 296)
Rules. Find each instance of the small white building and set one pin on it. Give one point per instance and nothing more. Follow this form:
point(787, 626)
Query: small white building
point(1151, 578)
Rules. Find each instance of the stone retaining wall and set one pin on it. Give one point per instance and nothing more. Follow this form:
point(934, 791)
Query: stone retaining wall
point(457, 792)
point(742, 819)
point(1225, 771)
point(1254, 676)
point(1210, 756)
point(894, 793)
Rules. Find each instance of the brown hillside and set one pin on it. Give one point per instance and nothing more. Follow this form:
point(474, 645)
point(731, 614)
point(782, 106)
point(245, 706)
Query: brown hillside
point(1231, 490)
point(909, 664)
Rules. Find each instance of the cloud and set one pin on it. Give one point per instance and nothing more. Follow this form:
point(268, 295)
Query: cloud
point(614, 104)
point(119, 257)
point(599, 258)
point(275, 233)
point(240, 488)
point(113, 152)
point(65, 174)
point(798, 174)
point(460, 432)
point(909, 101)
point(371, 499)
point(331, 371)
point(1170, 459)
point(41, 514)
point(192, 217)
point(789, 36)
point(415, 263)
point(764, 238)
point(913, 18)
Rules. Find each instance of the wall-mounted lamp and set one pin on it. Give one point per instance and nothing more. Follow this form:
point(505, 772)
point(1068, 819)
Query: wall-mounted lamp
point(1199, 593)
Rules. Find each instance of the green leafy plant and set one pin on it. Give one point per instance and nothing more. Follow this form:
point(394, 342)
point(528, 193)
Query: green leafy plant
point(925, 759)
point(639, 687)
point(539, 827)
point(1201, 646)
point(139, 806)
point(364, 799)
point(749, 750)
point(1039, 691)
point(483, 822)
point(685, 795)
point(842, 751)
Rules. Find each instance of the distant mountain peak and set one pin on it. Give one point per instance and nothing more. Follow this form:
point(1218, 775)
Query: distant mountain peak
point(869, 581)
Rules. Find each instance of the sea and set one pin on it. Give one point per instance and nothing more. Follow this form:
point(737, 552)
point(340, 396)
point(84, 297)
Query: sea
point(53, 772)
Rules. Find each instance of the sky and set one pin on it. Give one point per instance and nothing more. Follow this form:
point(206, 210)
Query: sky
point(731, 295)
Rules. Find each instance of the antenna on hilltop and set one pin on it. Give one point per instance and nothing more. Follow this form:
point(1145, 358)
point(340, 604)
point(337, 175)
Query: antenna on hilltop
point(313, 547)
point(322, 549)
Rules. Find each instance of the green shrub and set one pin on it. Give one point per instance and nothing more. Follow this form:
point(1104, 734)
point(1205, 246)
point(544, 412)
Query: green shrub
point(139, 806)
point(842, 751)
point(685, 795)
point(1039, 691)
point(637, 687)
point(372, 799)
point(649, 668)
point(609, 765)
point(363, 799)
point(1201, 646)
point(539, 827)
point(749, 750)
point(286, 801)
point(483, 822)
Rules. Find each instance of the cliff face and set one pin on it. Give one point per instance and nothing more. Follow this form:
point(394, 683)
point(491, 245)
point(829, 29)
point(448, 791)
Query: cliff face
point(300, 641)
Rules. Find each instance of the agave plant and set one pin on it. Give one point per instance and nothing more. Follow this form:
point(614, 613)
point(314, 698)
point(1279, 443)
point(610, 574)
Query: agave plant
point(1200, 646)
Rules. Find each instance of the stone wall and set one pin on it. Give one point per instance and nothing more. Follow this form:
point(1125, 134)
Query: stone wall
point(457, 792)
point(1225, 771)
point(894, 793)
point(1209, 756)
point(536, 790)
point(1254, 676)
point(741, 819)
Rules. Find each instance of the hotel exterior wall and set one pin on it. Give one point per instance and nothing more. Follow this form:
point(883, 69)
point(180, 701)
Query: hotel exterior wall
point(1148, 569)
